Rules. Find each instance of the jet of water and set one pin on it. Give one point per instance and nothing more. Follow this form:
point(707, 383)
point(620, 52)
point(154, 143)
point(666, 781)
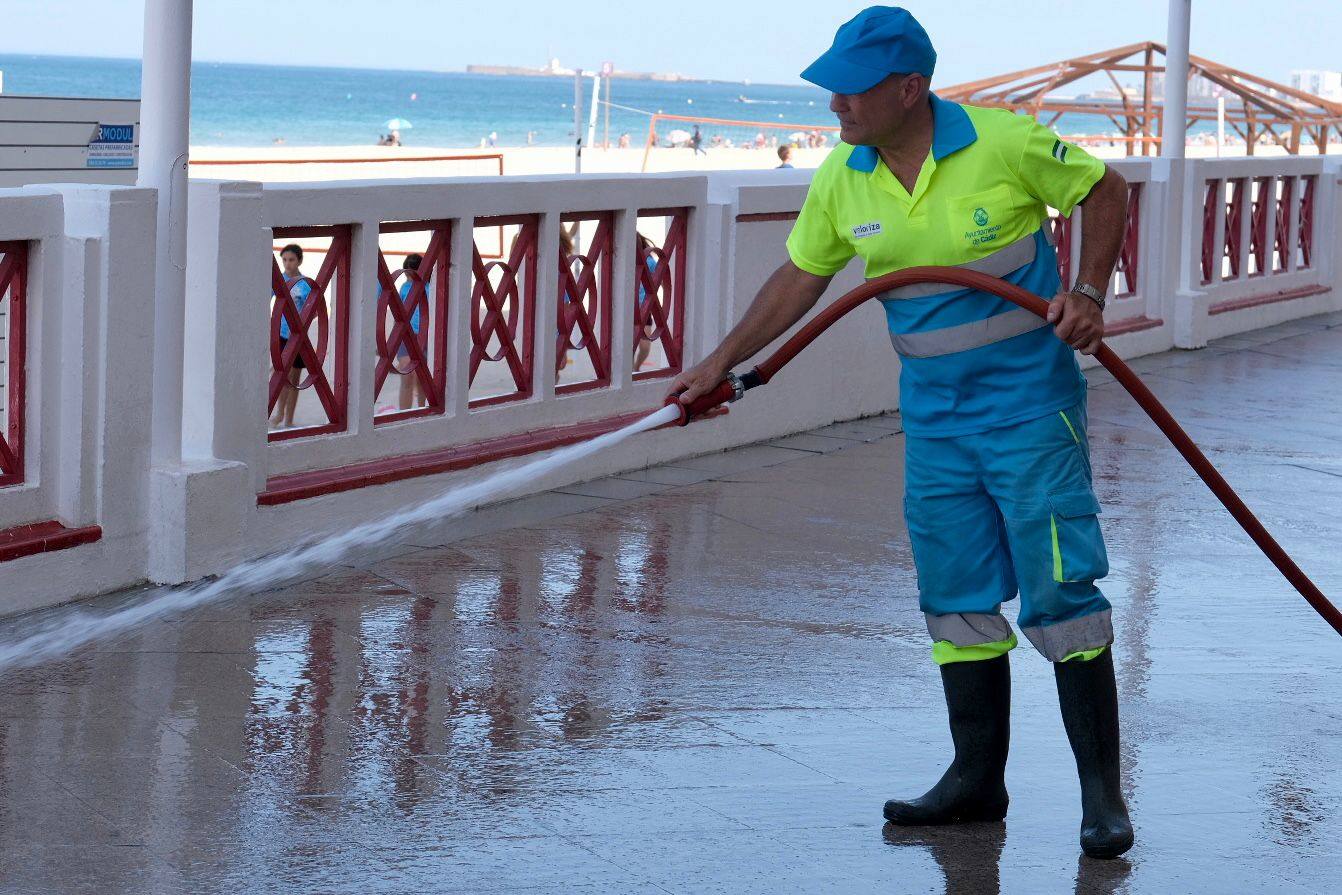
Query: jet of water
point(59, 635)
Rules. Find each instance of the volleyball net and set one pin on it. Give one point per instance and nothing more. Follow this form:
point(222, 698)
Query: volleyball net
point(735, 135)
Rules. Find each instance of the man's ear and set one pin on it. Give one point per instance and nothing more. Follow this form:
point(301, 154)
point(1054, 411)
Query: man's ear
point(911, 91)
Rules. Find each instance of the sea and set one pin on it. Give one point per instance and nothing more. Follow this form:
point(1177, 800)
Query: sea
point(260, 105)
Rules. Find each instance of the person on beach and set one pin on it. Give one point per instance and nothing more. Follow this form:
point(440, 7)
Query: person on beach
point(291, 259)
point(411, 389)
point(785, 156)
point(647, 252)
point(697, 142)
point(998, 493)
point(565, 315)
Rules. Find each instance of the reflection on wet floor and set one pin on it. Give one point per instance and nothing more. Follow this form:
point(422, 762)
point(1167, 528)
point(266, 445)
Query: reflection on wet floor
point(708, 677)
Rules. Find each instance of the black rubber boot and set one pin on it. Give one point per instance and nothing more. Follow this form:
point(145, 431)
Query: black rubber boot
point(978, 698)
point(1088, 697)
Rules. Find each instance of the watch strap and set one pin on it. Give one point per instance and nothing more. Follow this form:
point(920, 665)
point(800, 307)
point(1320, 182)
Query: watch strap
point(1089, 292)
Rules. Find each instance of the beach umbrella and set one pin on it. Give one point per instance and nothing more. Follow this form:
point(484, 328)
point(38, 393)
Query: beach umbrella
point(679, 136)
point(398, 124)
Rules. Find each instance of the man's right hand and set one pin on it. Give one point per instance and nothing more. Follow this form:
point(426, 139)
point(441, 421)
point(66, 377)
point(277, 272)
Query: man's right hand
point(700, 379)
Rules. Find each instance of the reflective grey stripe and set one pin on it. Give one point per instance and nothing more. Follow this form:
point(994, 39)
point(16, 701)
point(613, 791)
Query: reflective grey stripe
point(968, 628)
point(1088, 632)
point(974, 334)
point(1000, 263)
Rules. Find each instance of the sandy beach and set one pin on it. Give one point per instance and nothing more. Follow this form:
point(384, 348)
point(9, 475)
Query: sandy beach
point(293, 163)
point(302, 163)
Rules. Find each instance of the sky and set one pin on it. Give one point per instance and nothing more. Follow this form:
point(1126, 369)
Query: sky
point(755, 40)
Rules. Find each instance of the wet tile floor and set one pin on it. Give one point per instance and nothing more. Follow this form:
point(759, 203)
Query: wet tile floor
point(707, 677)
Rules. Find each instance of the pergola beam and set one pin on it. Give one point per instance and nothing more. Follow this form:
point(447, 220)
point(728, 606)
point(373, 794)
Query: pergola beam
point(1259, 104)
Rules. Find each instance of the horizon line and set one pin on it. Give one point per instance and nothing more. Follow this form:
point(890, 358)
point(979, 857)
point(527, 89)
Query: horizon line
point(431, 71)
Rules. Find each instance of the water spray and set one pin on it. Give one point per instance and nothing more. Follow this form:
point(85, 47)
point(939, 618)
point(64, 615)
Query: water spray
point(734, 386)
point(62, 631)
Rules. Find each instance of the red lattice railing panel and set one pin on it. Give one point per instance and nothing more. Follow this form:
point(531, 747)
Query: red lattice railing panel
point(659, 296)
point(1234, 214)
point(1282, 248)
point(503, 311)
point(302, 314)
point(1307, 222)
point(1263, 188)
point(411, 334)
point(583, 314)
point(1129, 254)
point(13, 377)
point(1210, 201)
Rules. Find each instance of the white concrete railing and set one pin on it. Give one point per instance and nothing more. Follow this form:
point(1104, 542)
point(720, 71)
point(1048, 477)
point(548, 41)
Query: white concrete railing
point(83, 369)
point(1258, 224)
point(244, 488)
point(460, 205)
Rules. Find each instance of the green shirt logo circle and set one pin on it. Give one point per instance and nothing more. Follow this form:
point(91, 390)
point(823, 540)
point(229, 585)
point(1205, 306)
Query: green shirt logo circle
point(980, 217)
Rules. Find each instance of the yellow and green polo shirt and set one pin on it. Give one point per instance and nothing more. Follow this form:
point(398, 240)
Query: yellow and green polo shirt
point(984, 190)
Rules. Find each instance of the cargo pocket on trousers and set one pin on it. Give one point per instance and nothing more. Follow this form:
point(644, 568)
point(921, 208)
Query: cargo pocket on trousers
point(1074, 530)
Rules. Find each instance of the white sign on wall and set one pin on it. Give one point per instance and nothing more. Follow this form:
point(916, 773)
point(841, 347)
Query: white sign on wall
point(53, 139)
point(112, 146)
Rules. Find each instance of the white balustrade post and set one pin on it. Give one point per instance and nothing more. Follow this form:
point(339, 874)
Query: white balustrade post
point(460, 310)
point(204, 505)
point(545, 323)
point(363, 323)
point(227, 324)
point(624, 295)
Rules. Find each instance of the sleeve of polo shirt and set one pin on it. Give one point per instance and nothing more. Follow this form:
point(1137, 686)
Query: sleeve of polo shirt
point(1057, 172)
point(814, 244)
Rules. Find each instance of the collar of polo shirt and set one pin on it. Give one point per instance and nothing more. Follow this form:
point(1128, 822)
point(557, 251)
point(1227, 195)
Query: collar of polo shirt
point(951, 131)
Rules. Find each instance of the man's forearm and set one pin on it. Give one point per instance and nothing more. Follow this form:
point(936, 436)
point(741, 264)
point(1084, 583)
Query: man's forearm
point(1102, 225)
point(783, 300)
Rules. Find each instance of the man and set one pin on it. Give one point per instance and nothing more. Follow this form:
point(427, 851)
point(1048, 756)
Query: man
point(697, 142)
point(998, 493)
point(785, 155)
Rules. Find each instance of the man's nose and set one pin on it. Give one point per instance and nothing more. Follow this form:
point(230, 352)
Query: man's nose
point(838, 102)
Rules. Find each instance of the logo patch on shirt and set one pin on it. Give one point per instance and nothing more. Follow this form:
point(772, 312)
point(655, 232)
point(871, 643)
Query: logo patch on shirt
point(862, 231)
point(981, 217)
point(1060, 151)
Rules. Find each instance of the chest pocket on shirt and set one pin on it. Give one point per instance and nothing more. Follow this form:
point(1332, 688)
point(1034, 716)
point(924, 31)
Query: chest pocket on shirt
point(980, 218)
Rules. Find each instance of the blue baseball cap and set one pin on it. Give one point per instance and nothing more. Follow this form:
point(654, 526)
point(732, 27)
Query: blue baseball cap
point(877, 42)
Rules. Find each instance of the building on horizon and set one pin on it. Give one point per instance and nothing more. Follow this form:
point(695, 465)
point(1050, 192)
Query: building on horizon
point(1320, 82)
point(552, 69)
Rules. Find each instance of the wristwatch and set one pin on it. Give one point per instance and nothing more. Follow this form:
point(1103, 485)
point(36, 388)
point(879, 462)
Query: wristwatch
point(1090, 292)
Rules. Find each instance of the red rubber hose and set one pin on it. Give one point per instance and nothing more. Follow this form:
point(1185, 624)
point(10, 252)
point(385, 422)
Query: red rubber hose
point(1159, 415)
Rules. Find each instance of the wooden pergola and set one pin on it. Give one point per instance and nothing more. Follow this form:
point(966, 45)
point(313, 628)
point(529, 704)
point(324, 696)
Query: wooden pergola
point(1256, 108)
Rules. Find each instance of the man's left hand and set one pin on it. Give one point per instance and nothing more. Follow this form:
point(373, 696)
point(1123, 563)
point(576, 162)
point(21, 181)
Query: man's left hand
point(1077, 320)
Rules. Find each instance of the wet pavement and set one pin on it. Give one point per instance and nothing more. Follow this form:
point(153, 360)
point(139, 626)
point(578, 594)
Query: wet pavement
point(707, 677)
